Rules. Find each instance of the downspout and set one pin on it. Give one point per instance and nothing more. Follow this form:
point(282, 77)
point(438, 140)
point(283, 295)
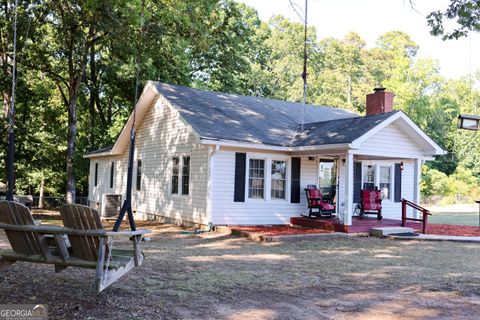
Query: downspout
point(211, 153)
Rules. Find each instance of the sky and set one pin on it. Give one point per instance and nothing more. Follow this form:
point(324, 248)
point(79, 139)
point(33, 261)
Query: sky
point(371, 18)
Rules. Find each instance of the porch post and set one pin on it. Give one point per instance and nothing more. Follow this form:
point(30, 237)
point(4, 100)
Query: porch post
point(417, 173)
point(347, 215)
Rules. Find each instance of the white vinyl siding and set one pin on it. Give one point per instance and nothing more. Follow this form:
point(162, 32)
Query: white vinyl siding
point(252, 211)
point(391, 141)
point(161, 135)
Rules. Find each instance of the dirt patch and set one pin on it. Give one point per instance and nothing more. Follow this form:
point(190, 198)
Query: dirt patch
point(278, 230)
point(453, 230)
point(216, 276)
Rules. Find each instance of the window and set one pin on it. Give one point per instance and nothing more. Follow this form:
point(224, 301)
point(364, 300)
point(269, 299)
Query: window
point(112, 172)
point(385, 182)
point(96, 174)
point(256, 179)
point(185, 175)
point(279, 179)
point(175, 171)
point(368, 177)
point(139, 175)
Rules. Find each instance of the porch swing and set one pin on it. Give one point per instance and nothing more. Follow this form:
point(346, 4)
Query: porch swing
point(82, 242)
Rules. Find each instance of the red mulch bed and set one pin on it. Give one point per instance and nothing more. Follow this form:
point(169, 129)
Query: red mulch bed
point(279, 230)
point(440, 229)
point(453, 230)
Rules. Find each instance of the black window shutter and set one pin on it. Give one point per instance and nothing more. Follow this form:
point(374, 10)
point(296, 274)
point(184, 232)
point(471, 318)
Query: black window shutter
point(357, 182)
point(398, 183)
point(295, 181)
point(240, 168)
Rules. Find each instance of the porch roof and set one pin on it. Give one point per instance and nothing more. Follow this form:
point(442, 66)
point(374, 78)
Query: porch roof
point(338, 131)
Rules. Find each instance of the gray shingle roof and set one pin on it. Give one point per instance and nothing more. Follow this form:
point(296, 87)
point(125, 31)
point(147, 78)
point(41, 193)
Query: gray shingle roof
point(223, 116)
point(337, 131)
point(98, 151)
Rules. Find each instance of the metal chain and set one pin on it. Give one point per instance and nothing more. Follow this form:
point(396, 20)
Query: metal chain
point(304, 74)
point(137, 62)
point(109, 258)
point(14, 78)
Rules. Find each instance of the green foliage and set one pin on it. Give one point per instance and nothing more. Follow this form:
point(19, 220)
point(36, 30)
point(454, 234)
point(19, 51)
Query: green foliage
point(462, 185)
point(466, 14)
point(217, 45)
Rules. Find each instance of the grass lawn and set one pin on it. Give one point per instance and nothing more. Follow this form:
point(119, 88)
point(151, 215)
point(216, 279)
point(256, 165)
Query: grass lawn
point(462, 218)
point(216, 276)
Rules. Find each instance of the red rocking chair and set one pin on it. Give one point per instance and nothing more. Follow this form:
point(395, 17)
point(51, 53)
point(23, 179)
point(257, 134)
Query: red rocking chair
point(371, 203)
point(315, 201)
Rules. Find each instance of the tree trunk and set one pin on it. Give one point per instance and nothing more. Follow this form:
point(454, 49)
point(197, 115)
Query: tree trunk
point(42, 191)
point(71, 146)
point(93, 95)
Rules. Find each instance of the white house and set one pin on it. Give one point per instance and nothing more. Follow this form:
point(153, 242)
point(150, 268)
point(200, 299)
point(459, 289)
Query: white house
point(210, 157)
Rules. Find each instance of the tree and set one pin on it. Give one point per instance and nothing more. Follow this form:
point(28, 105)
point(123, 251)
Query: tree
point(62, 39)
point(466, 14)
point(222, 57)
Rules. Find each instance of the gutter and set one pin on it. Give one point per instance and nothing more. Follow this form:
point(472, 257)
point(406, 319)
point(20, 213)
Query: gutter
point(99, 154)
point(260, 146)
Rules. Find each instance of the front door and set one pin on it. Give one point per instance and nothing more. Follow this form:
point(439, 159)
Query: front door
point(327, 179)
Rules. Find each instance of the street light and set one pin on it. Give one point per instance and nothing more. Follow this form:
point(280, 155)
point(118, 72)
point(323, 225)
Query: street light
point(469, 122)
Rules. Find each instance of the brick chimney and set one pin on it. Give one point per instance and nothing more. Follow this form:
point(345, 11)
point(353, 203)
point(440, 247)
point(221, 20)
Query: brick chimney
point(379, 102)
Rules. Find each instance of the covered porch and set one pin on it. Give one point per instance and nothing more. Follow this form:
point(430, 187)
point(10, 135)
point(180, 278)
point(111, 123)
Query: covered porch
point(342, 175)
point(380, 154)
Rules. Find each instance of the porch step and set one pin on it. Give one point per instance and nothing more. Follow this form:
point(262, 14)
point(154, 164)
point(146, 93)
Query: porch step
point(385, 231)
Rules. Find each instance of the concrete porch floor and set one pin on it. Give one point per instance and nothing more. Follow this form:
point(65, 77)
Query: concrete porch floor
point(359, 225)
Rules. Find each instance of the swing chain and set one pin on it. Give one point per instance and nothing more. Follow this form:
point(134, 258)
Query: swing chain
point(109, 258)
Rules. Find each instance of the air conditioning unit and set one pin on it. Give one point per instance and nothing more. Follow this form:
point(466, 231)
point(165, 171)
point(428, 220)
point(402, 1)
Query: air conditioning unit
point(111, 204)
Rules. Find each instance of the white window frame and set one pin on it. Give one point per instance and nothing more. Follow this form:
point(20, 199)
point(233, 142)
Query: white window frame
point(180, 157)
point(170, 185)
point(141, 174)
point(111, 177)
point(265, 177)
point(377, 165)
point(392, 173)
point(180, 190)
point(287, 173)
point(268, 179)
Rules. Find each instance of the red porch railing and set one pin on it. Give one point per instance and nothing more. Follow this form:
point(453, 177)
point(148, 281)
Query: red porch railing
point(425, 214)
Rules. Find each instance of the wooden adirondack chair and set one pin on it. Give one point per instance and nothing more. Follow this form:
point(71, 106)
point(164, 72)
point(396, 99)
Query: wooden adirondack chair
point(88, 245)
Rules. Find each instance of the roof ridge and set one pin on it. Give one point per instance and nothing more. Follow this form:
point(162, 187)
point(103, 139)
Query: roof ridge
point(250, 97)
